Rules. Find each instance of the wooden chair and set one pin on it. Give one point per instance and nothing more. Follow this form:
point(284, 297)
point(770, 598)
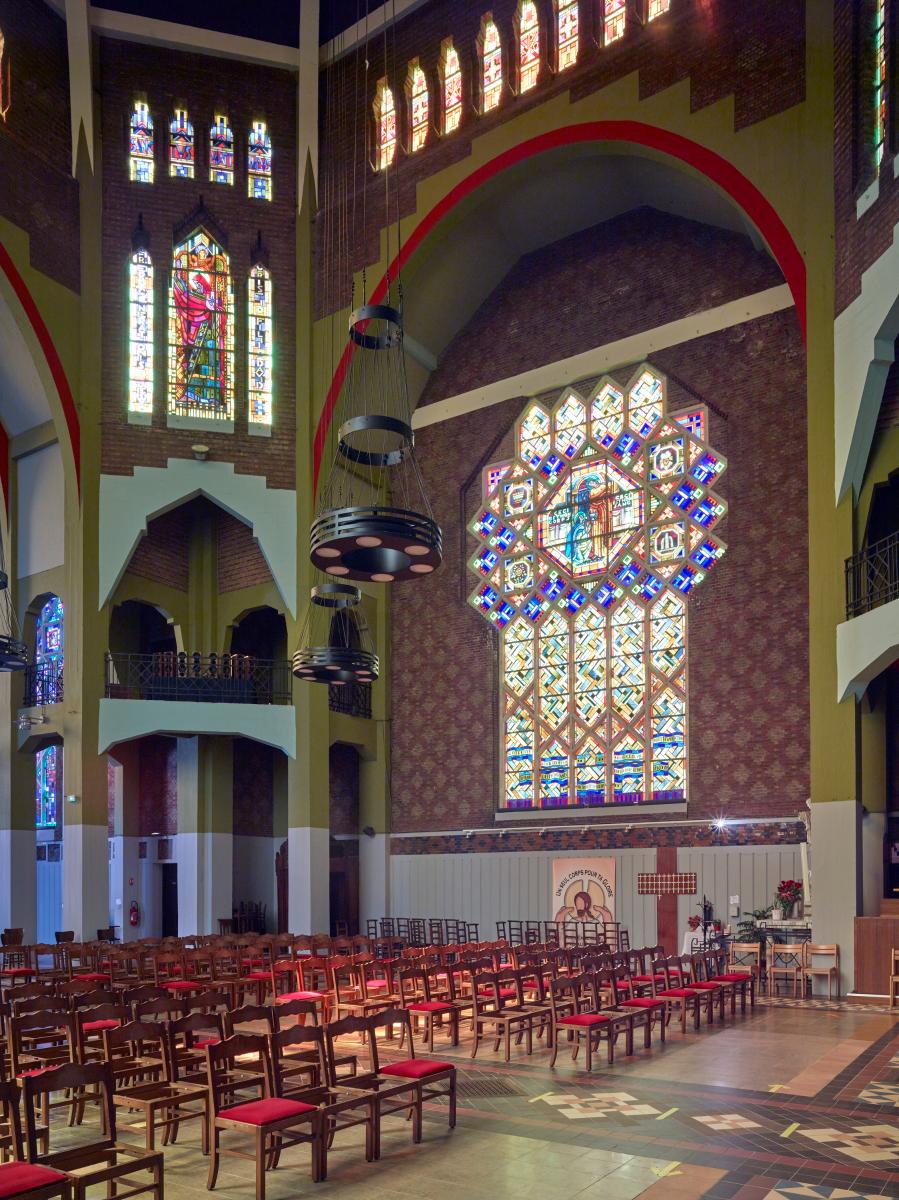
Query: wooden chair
point(20, 1179)
point(105, 1161)
point(575, 1019)
point(655, 1008)
point(417, 998)
point(786, 960)
point(498, 1005)
point(813, 969)
point(894, 978)
point(307, 1010)
point(678, 997)
point(746, 957)
point(740, 981)
point(188, 1038)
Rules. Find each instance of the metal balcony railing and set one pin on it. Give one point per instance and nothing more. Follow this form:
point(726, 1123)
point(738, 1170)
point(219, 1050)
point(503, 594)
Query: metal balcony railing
point(354, 699)
point(43, 684)
point(211, 678)
point(872, 576)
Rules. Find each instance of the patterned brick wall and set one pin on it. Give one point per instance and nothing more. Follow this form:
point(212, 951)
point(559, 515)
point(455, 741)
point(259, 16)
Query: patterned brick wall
point(253, 789)
point(38, 192)
point(343, 765)
point(240, 561)
point(205, 85)
point(158, 786)
point(163, 553)
point(748, 622)
point(753, 52)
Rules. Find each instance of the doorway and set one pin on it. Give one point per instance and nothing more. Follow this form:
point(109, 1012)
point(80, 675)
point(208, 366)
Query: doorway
point(169, 900)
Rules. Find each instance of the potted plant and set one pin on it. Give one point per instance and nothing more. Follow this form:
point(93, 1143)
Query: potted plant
point(789, 895)
point(748, 929)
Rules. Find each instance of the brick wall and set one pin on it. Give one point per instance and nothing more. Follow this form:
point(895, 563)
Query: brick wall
point(162, 554)
point(343, 765)
point(749, 734)
point(253, 788)
point(753, 52)
point(240, 561)
point(127, 71)
point(158, 786)
point(38, 192)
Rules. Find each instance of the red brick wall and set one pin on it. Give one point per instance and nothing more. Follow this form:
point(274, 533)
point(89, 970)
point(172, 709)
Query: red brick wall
point(163, 553)
point(37, 191)
point(753, 52)
point(747, 623)
point(343, 765)
point(244, 92)
point(253, 788)
point(240, 561)
point(158, 786)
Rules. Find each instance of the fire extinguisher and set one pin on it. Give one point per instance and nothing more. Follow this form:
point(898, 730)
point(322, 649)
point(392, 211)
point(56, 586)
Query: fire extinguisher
point(134, 914)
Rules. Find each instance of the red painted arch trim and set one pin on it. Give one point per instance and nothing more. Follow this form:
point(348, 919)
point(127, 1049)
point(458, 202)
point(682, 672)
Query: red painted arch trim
point(57, 371)
point(721, 172)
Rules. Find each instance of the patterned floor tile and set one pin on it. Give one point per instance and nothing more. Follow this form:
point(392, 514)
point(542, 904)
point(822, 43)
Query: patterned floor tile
point(727, 1122)
point(791, 1190)
point(881, 1093)
point(599, 1104)
point(864, 1143)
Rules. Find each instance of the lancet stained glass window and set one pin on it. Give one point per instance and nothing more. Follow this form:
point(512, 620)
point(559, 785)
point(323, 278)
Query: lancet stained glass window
point(589, 542)
point(880, 82)
point(528, 45)
point(49, 652)
point(567, 33)
point(221, 151)
point(140, 333)
point(141, 144)
point(491, 65)
point(385, 125)
point(201, 330)
point(48, 784)
point(419, 106)
point(614, 20)
point(259, 341)
point(259, 163)
point(451, 82)
point(656, 8)
point(181, 146)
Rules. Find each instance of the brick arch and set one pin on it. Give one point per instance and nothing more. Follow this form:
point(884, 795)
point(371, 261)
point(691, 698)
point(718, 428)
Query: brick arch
point(707, 162)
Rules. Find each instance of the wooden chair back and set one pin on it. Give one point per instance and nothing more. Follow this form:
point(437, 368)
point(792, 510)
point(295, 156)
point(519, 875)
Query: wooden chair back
point(283, 1040)
point(367, 1027)
point(75, 1076)
point(230, 1056)
point(249, 1014)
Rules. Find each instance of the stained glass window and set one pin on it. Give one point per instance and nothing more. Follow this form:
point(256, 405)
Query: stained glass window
point(419, 105)
point(656, 8)
point(259, 163)
point(451, 82)
point(491, 65)
point(181, 146)
point(589, 542)
point(259, 341)
point(385, 125)
point(141, 144)
point(49, 654)
point(221, 151)
point(567, 33)
point(201, 330)
point(880, 82)
point(528, 45)
point(140, 333)
point(48, 772)
point(614, 19)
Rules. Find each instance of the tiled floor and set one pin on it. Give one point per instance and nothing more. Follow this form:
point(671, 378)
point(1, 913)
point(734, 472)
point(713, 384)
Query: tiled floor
point(784, 1104)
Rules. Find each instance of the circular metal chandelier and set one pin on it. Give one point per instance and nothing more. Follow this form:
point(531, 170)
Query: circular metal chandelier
point(13, 651)
point(336, 645)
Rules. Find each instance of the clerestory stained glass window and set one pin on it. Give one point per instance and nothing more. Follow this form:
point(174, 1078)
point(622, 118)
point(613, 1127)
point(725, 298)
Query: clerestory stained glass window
point(140, 333)
point(491, 65)
point(141, 144)
point(259, 341)
point(614, 20)
point(656, 8)
point(49, 652)
point(880, 82)
point(589, 542)
point(528, 45)
point(259, 163)
point(419, 106)
point(48, 781)
point(567, 33)
point(201, 330)
point(451, 84)
point(221, 151)
point(181, 146)
point(385, 125)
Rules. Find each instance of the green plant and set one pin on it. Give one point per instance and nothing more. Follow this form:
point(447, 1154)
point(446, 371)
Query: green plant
point(747, 927)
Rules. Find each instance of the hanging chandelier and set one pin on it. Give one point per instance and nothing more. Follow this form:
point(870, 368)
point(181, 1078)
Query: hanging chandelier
point(13, 651)
point(336, 645)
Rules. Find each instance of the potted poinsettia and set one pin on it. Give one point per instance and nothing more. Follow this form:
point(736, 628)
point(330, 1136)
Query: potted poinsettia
point(788, 897)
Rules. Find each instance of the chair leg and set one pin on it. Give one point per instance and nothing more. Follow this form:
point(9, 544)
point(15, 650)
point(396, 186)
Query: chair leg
point(452, 1101)
point(213, 1156)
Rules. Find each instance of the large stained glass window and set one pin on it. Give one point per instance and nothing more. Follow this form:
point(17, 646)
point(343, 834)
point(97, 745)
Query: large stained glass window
point(491, 65)
point(567, 33)
point(614, 20)
point(181, 146)
point(589, 542)
point(880, 82)
point(419, 106)
point(385, 125)
point(201, 330)
point(259, 342)
point(451, 86)
point(259, 163)
point(49, 652)
point(221, 151)
point(528, 45)
point(141, 144)
point(48, 786)
point(140, 333)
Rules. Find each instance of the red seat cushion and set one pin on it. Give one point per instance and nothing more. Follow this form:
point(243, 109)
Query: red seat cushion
point(258, 975)
point(706, 986)
point(735, 977)
point(180, 985)
point(17, 1178)
point(94, 976)
point(264, 1112)
point(298, 996)
point(252, 962)
point(648, 978)
point(416, 1068)
point(93, 1026)
point(202, 1043)
point(376, 985)
point(584, 1019)
point(642, 1002)
point(33, 1071)
point(681, 992)
point(17, 971)
point(505, 993)
point(431, 1006)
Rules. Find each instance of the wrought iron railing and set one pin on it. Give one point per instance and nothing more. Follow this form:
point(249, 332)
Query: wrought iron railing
point(354, 699)
point(872, 576)
point(43, 684)
point(215, 678)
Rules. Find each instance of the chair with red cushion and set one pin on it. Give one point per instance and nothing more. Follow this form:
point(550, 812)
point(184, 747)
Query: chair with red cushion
point(20, 1179)
point(188, 1036)
point(691, 976)
point(428, 1011)
point(740, 982)
point(89, 1026)
point(499, 1007)
point(656, 1009)
point(16, 967)
point(576, 1018)
point(401, 1087)
point(40, 1040)
point(273, 1122)
point(679, 998)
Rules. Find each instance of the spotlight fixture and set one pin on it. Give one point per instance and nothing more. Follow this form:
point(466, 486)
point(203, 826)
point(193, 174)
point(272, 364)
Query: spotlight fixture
point(335, 644)
point(719, 823)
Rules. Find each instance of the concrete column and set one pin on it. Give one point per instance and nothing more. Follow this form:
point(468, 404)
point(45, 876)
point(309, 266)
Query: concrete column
point(124, 859)
point(374, 852)
point(18, 868)
point(836, 875)
point(204, 850)
point(308, 844)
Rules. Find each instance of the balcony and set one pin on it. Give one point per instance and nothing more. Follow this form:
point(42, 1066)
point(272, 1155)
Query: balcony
point(352, 699)
point(43, 684)
point(872, 577)
point(198, 678)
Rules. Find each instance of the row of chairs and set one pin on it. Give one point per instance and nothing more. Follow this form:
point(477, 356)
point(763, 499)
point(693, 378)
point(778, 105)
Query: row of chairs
point(565, 933)
point(424, 931)
point(796, 964)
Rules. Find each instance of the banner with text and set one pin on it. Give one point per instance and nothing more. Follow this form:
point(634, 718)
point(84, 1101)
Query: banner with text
point(584, 889)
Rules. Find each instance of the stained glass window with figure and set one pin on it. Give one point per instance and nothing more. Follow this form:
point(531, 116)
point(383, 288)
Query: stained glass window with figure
point(48, 786)
point(140, 333)
point(259, 341)
point(221, 151)
point(49, 652)
point(201, 330)
point(419, 106)
point(528, 45)
point(181, 146)
point(491, 65)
